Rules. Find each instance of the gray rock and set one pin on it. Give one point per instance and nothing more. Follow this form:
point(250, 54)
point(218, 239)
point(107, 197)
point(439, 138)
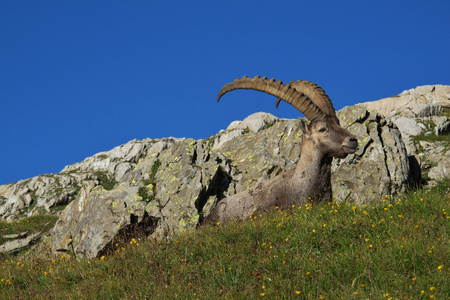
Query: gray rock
point(442, 125)
point(90, 222)
point(192, 176)
point(416, 111)
point(165, 186)
point(15, 236)
point(36, 195)
point(18, 244)
point(220, 140)
point(380, 167)
point(442, 170)
point(45, 192)
point(422, 101)
point(255, 122)
point(408, 126)
point(164, 193)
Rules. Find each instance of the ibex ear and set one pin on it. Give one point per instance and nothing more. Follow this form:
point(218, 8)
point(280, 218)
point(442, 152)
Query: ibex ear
point(303, 124)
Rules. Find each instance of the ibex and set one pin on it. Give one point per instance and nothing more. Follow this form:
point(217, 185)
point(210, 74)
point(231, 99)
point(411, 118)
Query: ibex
point(323, 138)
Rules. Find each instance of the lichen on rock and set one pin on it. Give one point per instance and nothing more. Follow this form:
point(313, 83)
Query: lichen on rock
point(169, 185)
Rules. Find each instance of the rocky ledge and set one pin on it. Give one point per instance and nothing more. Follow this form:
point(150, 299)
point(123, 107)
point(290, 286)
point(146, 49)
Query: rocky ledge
point(164, 186)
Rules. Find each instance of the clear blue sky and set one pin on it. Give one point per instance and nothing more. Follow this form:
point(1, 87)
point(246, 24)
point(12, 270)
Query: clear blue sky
point(80, 77)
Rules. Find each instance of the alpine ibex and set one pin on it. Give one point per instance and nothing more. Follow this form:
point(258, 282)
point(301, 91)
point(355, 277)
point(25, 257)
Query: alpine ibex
point(323, 138)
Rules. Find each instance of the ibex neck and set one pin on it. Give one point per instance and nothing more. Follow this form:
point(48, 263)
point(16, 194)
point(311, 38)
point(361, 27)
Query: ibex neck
point(312, 174)
point(309, 164)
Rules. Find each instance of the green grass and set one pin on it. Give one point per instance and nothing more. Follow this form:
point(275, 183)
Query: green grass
point(396, 249)
point(431, 139)
point(148, 190)
point(105, 180)
point(34, 224)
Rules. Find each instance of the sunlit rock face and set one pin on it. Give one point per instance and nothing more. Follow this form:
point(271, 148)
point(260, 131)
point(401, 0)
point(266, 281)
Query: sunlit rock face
point(165, 186)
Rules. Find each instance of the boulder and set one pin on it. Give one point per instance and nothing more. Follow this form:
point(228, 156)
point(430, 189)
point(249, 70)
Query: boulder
point(40, 194)
point(379, 168)
point(162, 195)
point(19, 243)
point(164, 186)
point(171, 190)
point(420, 102)
point(90, 222)
point(442, 124)
point(255, 122)
point(442, 170)
point(416, 111)
point(408, 126)
point(48, 193)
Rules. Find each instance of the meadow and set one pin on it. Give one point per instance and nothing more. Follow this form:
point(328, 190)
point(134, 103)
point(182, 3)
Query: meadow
point(395, 249)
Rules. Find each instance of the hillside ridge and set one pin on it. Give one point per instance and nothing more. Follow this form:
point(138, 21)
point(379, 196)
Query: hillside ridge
point(169, 185)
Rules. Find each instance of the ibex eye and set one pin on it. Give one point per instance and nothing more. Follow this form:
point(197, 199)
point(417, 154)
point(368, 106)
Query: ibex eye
point(322, 130)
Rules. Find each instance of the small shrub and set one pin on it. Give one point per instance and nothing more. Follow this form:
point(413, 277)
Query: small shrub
point(105, 180)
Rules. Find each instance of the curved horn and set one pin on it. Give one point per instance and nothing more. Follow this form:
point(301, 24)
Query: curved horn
point(297, 97)
point(317, 95)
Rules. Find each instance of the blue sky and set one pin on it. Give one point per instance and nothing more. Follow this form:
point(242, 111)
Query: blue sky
point(80, 77)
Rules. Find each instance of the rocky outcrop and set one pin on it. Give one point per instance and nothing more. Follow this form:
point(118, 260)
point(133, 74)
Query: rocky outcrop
point(416, 112)
point(45, 193)
point(379, 168)
point(165, 186)
point(18, 242)
point(435, 160)
point(423, 101)
point(423, 117)
point(163, 193)
point(442, 170)
point(171, 187)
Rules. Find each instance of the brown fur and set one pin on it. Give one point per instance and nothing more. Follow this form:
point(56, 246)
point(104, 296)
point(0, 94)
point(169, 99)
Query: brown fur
point(310, 180)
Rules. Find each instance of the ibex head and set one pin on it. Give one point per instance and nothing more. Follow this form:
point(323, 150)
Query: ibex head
point(323, 133)
point(329, 138)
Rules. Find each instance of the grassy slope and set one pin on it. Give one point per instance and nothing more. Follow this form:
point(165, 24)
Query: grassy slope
point(397, 249)
point(30, 225)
